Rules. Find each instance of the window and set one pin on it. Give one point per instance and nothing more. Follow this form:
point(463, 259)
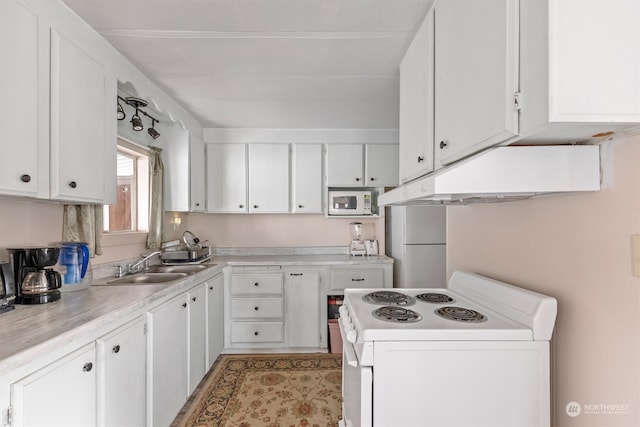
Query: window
point(130, 213)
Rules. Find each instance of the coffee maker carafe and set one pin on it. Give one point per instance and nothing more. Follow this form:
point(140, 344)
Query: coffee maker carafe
point(35, 281)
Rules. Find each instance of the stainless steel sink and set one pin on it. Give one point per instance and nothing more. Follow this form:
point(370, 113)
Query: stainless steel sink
point(188, 269)
point(147, 278)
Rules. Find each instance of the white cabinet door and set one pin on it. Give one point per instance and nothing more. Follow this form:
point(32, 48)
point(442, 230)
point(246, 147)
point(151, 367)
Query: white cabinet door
point(381, 164)
point(197, 336)
point(175, 158)
point(197, 174)
point(215, 318)
point(302, 299)
point(61, 394)
point(226, 178)
point(268, 178)
point(19, 110)
point(121, 374)
point(307, 178)
point(416, 103)
point(167, 361)
point(77, 123)
point(345, 165)
point(476, 70)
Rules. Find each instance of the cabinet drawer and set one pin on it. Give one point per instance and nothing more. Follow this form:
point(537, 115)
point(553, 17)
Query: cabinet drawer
point(252, 308)
point(342, 279)
point(256, 284)
point(256, 332)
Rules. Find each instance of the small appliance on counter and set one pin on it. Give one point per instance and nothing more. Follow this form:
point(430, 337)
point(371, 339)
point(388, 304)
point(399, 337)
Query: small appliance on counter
point(74, 266)
point(357, 247)
point(7, 288)
point(35, 281)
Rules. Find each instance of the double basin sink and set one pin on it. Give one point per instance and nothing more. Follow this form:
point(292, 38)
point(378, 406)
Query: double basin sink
point(160, 274)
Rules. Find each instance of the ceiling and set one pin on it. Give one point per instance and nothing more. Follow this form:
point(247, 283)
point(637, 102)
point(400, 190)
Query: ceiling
point(267, 63)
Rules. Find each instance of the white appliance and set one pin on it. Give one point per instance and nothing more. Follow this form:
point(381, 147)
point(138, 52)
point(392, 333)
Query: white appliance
point(489, 369)
point(504, 174)
point(416, 240)
point(349, 202)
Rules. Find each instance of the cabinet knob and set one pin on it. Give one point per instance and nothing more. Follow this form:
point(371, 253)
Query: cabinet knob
point(73, 184)
point(184, 305)
point(256, 284)
point(193, 299)
point(255, 206)
point(25, 178)
point(357, 179)
point(256, 333)
point(420, 159)
point(87, 367)
point(116, 349)
point(373, 179)
point(197, 204)
point(210, 288)
point(357, 280)
point(300, 206)
point(241, 206)
point(442, 145)
point(256, 308)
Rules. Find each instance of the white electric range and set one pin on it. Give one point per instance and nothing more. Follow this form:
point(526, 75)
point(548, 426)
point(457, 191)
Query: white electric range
point(473, 354)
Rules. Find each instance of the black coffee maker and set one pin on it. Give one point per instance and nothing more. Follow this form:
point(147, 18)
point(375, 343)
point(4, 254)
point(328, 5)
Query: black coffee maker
point(35, 282)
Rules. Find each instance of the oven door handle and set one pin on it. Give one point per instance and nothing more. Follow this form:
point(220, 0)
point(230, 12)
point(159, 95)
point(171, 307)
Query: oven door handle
point(347, 348)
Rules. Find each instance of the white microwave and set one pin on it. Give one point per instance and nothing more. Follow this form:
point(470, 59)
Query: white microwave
point(349, 202)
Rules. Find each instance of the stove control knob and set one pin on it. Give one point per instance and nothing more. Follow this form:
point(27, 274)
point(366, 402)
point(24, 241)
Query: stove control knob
point(352, 335)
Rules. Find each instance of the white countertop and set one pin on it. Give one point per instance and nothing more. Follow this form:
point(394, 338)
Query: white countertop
point(31, 331)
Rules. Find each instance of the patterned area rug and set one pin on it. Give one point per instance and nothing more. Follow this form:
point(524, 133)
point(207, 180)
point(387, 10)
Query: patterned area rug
point(284, 390)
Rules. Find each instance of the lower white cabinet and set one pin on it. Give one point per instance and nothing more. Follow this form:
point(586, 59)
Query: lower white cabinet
point(120, 367)
point(215, 318)
point(40, 400)
point(197, 304)
point(302, 293)
point(167, 361)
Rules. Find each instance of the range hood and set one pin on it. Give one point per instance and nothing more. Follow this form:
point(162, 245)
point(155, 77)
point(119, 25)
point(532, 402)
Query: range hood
point(505, 174)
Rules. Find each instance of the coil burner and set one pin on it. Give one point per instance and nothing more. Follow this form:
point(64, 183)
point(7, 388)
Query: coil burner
point(434, 298)
point(396, 314)
point(388, 297)
point(461, 314)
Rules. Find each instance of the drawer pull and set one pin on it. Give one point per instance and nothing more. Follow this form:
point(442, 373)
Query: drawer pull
point(256, 284)
point(241, 206)
point(256, 308)
point(256, 333)
point(420, 159)
point(87, 367)
point(296, 274)
point(358, 280)
point(443, 145)
point(116, 349)
point(25, 178)
point(73, 184)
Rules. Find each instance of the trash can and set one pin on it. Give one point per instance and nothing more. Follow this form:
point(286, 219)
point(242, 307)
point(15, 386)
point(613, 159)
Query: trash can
point(335, 340)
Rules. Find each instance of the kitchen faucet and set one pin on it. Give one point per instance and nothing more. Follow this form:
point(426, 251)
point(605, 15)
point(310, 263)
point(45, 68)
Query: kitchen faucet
point(140, 265)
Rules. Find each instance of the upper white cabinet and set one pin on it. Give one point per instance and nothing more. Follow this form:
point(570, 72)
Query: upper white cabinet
point(345, 165)
point(20, 110)
point(579, 68)
point(197, 174)
point(306, 175)
point(183, 158)
point(476, 76)
point(360, 165)
point(226, 178)
point(78, 99)
point(268, 178)
point(416, 103)
point(381, 165)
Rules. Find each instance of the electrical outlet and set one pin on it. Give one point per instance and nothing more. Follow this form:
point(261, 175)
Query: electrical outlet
point(635, 254)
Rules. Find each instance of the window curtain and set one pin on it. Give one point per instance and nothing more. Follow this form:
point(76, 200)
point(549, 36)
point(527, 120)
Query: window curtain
point(83, 223)
point(156, 205)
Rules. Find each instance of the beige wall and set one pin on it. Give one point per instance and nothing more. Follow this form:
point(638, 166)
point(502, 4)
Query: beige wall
point(576, 248)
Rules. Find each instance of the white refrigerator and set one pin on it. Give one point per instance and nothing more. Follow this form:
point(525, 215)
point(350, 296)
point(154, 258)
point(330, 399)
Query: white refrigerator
point(416, 240)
